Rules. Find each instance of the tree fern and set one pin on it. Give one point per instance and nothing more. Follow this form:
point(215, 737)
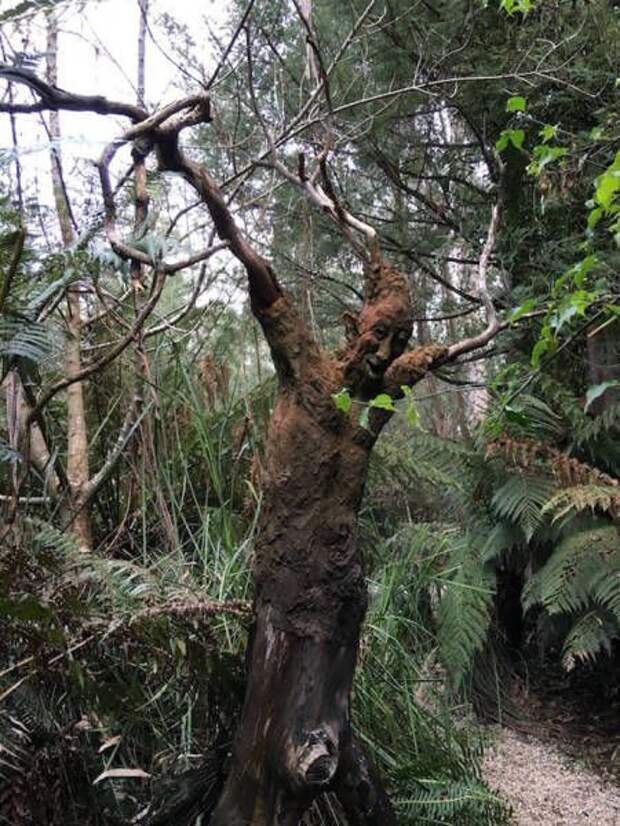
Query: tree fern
point(27, 339)
point(572, 500)
point(503, 537)
point(521, 499)
point(591, 634)
point(576, 572)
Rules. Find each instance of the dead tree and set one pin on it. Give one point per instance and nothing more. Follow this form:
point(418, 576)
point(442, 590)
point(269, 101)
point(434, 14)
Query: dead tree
point(294, 739)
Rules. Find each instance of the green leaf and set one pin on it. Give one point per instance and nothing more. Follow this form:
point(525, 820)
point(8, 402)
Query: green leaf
point(607, 185)
point(574, 304)
point(510, 136)
point(517, 136)
point(383, 402)
point(502, 142)
point(523, 7)
point(342, 400)
point(548, 132)
point(597, 390)
point(540, 348)
point(516, 104)
point(363, 419)
point(522, 309)
point(595, 216)
point(544, 155)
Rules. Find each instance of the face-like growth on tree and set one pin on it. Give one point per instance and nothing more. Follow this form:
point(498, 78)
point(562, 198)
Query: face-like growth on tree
point(381, 331)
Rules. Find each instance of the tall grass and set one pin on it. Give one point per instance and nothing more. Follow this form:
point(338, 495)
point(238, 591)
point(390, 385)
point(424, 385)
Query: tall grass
point(135, 671)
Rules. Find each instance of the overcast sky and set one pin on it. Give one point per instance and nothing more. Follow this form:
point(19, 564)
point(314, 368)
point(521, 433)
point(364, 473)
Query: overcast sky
point(98, 54)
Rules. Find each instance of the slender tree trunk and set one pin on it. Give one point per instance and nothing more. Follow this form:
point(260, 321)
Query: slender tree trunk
point(144, 445)
point(78, 471)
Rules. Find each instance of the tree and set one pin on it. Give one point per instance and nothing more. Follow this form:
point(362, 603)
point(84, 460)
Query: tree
point(294, 738)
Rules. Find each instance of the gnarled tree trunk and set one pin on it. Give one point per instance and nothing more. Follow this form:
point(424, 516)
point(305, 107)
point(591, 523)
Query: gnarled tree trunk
point(294, 738)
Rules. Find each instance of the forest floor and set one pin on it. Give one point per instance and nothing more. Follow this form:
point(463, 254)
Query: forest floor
point(561, 767)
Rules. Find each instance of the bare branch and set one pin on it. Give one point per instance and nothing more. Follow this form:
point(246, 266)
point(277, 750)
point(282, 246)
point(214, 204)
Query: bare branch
point(493, 325)
point(54, 98)
point(230, 45)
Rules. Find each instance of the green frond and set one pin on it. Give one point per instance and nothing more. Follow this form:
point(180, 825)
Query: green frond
point(583, 569)
point(521, 499)
point(49, 538)
point(465, 609)
point(504, 536)
point(594, 427)
point(448, 802)
point(539, 419)
point(27, 339)
point(568, 501)
point(590, 635)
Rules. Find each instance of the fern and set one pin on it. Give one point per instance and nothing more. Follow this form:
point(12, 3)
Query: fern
point(521, 499)
point(27, 339)
point(504, 536)
point(592, 633)
point(581, 497)
point(584, 568)
point(448, 802)
point(49, 538)
point(465, 610)
point(593, 428)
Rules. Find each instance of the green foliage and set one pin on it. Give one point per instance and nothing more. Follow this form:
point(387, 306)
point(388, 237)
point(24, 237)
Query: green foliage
point(467, 588)
point(579, 565)
point(406, 718)
point(521, 500)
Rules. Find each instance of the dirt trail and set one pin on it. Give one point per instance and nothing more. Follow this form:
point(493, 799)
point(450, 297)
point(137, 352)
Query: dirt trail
point(545, 787)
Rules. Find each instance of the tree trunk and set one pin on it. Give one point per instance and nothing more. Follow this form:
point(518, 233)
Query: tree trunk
point(294, 738)
point(78, 471)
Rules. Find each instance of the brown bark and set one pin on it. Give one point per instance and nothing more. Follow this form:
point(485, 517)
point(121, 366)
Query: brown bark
point(294, 739)
point(78, 470)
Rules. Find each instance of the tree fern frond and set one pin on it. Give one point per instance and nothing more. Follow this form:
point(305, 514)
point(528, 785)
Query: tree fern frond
point(591, 634)
point(504, 536)
point(569, 501)
point(574, 575)
point(594, 427)
point(31, 340)
point(521, 499)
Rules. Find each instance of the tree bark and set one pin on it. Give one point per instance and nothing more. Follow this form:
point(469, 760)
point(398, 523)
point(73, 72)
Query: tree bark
point(294, 738)
point(78, 471)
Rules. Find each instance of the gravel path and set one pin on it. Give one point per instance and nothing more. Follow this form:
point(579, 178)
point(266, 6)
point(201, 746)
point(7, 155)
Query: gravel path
point(545, 788)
